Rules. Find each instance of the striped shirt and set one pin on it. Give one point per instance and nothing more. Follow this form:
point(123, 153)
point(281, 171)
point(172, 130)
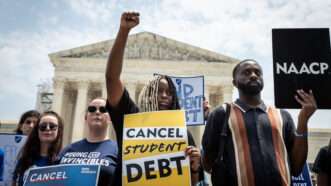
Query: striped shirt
point(257, 146)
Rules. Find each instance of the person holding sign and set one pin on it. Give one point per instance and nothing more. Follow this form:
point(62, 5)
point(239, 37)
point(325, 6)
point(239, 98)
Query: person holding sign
point(96, 148)
point(42, 146)
point(322, 166)
point(27, 121)
point(251, 144)
point(158, 94)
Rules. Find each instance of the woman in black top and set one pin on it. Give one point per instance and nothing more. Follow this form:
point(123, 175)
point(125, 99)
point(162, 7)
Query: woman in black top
point(158, 94)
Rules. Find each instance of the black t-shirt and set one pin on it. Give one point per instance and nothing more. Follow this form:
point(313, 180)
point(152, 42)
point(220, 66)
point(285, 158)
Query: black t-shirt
point(260, 141)
point(322, 162)
point(127, 106)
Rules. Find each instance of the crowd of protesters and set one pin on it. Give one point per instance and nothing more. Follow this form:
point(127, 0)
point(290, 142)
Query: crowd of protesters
point(245, 142)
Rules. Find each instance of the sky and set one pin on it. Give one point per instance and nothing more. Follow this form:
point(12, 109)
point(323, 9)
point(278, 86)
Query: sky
point(30, 30)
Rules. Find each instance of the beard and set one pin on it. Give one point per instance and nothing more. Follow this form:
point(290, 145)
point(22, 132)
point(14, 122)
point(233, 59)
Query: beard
point(250, 89)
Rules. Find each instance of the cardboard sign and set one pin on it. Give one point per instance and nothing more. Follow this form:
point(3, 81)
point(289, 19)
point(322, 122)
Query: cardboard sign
point(301, 60)
point(64, 174)
point(190, 91)
point(153, 149)
point(10, 146)
point(304, 179)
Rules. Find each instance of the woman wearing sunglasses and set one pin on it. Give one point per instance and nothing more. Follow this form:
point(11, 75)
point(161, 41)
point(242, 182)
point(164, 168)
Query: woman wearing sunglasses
point(96, 148)
point(42, 146)
point(27, 121)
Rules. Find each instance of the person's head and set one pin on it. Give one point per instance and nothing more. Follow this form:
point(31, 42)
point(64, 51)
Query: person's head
point(49, 131)
point(248, 77)
point(97, 117)
point(27, 121)
point(158, 94)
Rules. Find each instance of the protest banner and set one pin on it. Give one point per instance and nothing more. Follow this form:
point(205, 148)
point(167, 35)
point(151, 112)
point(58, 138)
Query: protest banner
point(63, 174)
point(153, 149)
point(10, 145)
point(301, 60)
point(190, 92)
point(304, 179)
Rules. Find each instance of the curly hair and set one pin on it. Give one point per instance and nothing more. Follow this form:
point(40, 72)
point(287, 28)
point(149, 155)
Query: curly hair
point(148, 96)
point(31, 149)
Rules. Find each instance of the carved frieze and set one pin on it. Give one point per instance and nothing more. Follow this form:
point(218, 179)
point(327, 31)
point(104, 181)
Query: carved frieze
point(147, 45)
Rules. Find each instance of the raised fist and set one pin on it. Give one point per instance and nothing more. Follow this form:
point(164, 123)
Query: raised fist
point(129, 20)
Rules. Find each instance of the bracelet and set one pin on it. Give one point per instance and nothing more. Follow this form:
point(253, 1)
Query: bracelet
point(303, 135)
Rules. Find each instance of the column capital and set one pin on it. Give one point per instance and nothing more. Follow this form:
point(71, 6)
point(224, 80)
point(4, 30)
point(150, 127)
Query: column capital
point(59, 83)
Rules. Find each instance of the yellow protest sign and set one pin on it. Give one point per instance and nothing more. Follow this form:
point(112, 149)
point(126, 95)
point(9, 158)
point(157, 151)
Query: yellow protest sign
point(153, 149)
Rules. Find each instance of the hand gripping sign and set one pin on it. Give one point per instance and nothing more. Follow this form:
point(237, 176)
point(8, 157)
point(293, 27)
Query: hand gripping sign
point(153, 149)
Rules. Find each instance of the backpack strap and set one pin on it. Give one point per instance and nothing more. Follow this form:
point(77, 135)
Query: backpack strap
point(224, 133)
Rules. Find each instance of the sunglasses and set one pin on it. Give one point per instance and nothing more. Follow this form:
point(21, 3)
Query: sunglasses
point(93, 109)
point(44, 126)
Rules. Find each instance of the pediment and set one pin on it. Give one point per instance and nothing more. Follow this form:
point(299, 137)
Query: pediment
point(146, 45)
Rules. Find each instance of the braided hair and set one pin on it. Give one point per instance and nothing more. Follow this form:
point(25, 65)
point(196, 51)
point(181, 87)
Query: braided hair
point(148, 102)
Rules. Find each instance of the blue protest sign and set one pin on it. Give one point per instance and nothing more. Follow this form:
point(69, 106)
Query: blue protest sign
point(303, 179)
point(190, 91)
point(10, 146)
point(64, 174)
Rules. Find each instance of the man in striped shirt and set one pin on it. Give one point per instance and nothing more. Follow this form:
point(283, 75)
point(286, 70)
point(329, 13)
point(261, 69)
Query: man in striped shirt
point(262, 146)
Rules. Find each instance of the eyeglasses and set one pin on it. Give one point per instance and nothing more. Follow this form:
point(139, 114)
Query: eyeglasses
point(44, 126)
point(93, 109)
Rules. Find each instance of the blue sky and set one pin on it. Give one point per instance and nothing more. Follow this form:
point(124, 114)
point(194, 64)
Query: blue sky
point(30, 30)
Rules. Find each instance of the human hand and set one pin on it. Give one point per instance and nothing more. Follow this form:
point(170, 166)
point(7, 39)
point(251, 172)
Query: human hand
point(307, 102)
point(194, 154)
point(129, 20)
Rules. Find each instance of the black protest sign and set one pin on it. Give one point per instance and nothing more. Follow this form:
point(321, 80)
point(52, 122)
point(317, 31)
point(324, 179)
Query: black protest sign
point(301, 60)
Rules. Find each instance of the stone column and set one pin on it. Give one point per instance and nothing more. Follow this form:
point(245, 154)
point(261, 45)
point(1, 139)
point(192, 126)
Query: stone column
point(227, 93)
point(131, 87)
point(104, 91)
point(58, 95)
point(79, 123)
point(111, 131)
